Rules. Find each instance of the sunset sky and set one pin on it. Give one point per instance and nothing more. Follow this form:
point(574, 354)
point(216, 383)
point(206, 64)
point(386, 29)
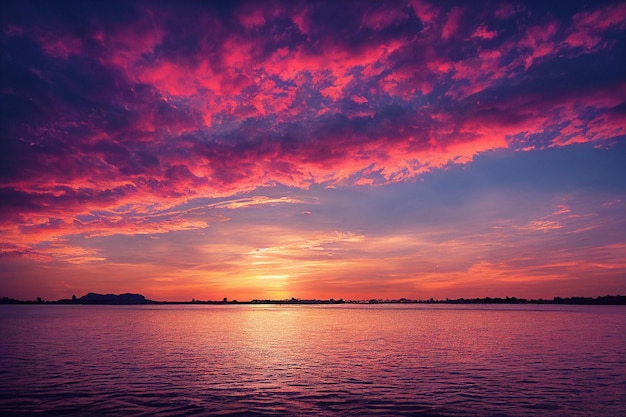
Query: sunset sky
point(349, 150)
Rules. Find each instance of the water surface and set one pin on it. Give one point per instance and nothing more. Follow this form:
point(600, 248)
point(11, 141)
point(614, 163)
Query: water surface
point(429, 360)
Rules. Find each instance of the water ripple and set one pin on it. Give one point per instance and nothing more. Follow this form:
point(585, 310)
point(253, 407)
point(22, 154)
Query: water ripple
point(312, 360)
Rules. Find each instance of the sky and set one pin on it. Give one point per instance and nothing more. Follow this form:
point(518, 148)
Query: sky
point(318, 149)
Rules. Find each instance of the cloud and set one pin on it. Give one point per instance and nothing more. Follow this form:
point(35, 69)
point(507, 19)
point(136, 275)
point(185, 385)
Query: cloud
point(588, 27)
point(253, 201)
point(27, 237)
point(115, 116)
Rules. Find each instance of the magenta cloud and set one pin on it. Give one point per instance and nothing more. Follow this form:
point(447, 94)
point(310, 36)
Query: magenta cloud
point(131, 113)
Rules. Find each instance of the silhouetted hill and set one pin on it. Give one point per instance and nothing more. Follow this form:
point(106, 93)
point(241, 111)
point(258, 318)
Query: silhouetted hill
point(127, 298)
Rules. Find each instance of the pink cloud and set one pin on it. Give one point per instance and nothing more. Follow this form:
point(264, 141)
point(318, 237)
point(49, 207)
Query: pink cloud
point(483, 32)
point(453, 23)
point(252, 19)
point(427, 12)
point(61, 46)
point(254, 106)
point(505, 11)
point(381, 18)
point(587, 27)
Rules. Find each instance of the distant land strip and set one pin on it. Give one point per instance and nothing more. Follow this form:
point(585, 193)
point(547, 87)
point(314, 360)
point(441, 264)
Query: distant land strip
point(137, 299)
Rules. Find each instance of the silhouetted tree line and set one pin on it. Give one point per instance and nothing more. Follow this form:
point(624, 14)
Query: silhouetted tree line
point(601, 300)
point(125, 299)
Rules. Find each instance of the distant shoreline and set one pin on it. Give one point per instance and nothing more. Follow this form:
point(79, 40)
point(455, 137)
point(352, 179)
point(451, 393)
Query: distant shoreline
point(138, 299)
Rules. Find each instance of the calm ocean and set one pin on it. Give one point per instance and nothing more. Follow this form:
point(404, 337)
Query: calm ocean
point(421, 360)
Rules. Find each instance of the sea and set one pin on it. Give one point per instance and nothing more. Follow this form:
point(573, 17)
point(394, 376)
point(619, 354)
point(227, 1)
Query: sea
point(318, 360)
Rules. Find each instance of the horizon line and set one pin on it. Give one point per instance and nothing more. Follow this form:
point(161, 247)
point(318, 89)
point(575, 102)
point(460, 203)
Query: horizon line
point(134, 298)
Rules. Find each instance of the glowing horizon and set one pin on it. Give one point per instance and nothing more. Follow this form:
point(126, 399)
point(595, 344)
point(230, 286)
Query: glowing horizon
point(312, 150)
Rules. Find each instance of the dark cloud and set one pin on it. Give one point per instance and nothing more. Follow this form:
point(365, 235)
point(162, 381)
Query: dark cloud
point(14, 201)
